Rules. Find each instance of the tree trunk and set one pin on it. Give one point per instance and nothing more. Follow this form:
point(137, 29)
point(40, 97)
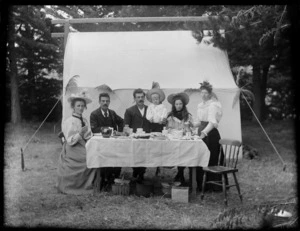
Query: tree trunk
point(257, 91)
point(15, 99)
point(32, 91)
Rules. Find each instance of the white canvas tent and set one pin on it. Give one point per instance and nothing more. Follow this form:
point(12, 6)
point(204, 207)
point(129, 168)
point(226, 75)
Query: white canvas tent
point(125, 61)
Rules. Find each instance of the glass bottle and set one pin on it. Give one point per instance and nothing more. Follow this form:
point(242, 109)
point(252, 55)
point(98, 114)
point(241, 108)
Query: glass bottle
point(126, 129)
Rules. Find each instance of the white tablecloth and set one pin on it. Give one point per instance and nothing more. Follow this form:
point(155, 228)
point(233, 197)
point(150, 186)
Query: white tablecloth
point(111, 152)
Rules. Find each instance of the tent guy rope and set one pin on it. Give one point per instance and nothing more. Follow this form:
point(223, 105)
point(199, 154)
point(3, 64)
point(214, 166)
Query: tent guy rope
point(284, 164)
point(24, 148)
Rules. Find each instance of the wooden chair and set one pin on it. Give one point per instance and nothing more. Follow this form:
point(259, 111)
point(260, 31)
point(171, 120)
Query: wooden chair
point(231, 153)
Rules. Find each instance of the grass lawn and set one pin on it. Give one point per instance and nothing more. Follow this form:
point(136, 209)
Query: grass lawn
point(31, 199)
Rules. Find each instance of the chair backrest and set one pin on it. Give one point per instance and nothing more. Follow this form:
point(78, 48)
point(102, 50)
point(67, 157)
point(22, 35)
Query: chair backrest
point(62, 137)
point(231, 150)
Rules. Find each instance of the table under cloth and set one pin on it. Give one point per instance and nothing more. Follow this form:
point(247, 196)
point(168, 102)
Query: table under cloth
point(114, 152)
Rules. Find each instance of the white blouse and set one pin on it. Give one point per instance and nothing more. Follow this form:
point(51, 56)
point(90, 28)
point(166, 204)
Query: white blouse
point(210, 111)
point(71, 128)
point(156, 112)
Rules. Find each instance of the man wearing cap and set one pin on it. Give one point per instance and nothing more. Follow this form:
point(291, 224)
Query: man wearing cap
point(105, 117)
point(135, 117)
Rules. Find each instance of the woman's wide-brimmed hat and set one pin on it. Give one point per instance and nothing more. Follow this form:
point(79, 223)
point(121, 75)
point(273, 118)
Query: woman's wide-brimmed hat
point(185, 98)
point(156, 91)
point(82, 95)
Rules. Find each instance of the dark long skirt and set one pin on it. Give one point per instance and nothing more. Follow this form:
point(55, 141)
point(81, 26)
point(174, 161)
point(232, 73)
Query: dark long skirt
point(212, 143)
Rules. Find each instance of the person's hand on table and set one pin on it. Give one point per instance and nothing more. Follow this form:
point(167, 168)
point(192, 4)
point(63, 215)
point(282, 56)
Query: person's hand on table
point(202, 135)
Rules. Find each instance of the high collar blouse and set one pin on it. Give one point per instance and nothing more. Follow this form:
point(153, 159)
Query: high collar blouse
point(71, 128)
point(156, 112)
point(209, 111)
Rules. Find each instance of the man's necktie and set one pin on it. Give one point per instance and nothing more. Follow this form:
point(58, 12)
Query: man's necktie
point(105, 114)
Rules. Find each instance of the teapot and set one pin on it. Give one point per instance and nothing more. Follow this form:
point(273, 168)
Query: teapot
point(107, 131)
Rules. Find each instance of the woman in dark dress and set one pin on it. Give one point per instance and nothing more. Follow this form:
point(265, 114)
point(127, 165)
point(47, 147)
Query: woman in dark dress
point(209, 114)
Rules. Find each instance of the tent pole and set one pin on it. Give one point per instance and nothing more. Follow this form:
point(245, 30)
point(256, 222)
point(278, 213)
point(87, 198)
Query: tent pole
point(66, 32)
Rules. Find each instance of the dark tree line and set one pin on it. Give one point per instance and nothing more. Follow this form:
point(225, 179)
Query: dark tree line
point(256, 36)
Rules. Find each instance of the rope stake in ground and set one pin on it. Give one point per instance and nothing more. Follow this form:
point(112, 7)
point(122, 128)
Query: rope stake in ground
point(22, 160)
point(23, 149)
point(284, 164)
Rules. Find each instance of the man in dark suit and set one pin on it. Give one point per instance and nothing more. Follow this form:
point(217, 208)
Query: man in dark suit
point(105, 117)
point(135, 117)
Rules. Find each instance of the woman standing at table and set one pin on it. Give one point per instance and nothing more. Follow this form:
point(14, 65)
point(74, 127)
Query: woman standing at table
point(73, 175)
point(209, 114)
point(179, 119)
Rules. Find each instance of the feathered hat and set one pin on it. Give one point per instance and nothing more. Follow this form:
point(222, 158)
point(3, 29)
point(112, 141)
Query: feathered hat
point(155, 90)
point(82, 95)
point(206, 85)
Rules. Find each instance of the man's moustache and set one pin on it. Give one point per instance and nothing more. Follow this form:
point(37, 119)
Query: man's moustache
point(141, 101)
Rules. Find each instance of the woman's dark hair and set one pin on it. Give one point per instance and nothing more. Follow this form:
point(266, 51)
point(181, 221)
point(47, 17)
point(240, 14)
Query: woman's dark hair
point(207, 86)
point(76, 100)
point(137, 91)
point(185, 114)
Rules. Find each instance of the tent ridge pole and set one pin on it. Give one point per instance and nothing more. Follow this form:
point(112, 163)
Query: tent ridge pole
point(137, 19)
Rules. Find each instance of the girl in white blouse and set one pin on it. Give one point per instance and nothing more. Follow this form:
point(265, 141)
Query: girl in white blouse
point(209, 114)
point(179, 119)
point(156, 112)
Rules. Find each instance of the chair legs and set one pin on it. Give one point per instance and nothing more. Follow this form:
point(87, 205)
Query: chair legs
point(224, 185)
point(224, 188)
point(237, 186)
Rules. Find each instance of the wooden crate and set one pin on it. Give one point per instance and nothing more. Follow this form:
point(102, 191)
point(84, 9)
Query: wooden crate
point(180, 194)
point(120, 189)
point(145, 189)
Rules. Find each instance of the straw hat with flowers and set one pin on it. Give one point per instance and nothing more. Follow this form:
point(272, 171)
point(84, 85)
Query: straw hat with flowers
point(155, 90)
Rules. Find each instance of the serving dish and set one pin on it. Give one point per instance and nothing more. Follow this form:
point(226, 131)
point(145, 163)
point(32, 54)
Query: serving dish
point(142, 136)
point(123, 137)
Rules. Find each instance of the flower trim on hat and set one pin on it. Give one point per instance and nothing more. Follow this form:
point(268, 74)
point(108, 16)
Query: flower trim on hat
point(206, 85)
